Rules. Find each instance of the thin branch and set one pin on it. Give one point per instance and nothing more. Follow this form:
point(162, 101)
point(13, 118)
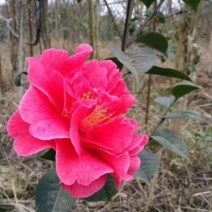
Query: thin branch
point(111, 15)
point(8, 25)
point(130, 6)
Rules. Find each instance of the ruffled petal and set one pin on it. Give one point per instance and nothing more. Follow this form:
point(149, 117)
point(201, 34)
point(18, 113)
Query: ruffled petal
point(138, 144)
point(83, 191)
point(80, 112)
point(83, 169)
point(76, 61)
point(41, 68)
point(114, 135)
point(120, 165)
point(24, 143)
point(46, 123)
point(28, 145)
point(16, 126)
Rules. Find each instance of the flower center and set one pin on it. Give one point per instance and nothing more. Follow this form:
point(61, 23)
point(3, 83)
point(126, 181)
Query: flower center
point(97, 116)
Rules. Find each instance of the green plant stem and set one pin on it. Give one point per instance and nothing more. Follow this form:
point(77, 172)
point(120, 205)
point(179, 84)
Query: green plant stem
point(162, 119)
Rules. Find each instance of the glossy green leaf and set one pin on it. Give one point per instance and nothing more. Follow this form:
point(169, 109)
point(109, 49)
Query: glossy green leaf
point(138, 61)
point(149, 165)
point(50, 196)
point(168, 72)
point(183, 114)
point(183, 88)
point(154, 40)
point(171, 141)
point(165, 101)
point(106, 193)
point(148, 2)
point(193, 3)
point(48, 155)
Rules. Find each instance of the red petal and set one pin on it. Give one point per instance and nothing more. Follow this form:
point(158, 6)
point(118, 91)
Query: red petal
point(134, 165)
point(28, 145)
point(142, 141)
point(77, 116)
point(16, 126)
point(46, 123)
point(81, 191)
point(120, 165)
point(76, 61)
point(24, 143)
point(41, 68)
point(83, 169)
point(114, 135)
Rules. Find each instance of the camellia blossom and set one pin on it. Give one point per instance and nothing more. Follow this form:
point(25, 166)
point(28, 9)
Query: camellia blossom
point(78, 108)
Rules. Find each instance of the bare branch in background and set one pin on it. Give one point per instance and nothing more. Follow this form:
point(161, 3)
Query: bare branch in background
point(8, 21)
point(114, 22)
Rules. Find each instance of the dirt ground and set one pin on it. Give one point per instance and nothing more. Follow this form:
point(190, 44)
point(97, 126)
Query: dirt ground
point(178, 186)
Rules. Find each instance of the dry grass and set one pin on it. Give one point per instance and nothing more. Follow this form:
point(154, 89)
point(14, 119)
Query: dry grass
point(179, 186)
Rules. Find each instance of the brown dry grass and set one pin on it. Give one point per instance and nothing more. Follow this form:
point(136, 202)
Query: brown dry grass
point(177, 187)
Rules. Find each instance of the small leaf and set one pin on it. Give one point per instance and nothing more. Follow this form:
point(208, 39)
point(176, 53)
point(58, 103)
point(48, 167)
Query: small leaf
point(168, 72)
point(182, 114)
point(160, 17)
point(154, 40)
point(183, 88)
point(171, 141)
point(193, 3)
point(165, 101)
point(48, 155)
point(138, 61)
point(149, 165)
point(18, 78)
point(50, 196)
point(148, 2)
point(106, 193)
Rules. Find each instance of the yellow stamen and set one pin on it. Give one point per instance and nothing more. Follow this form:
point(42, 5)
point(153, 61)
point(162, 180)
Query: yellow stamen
point(97, 116)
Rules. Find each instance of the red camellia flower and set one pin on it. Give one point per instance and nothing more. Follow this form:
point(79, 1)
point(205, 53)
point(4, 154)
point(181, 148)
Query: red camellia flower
point(78, 108)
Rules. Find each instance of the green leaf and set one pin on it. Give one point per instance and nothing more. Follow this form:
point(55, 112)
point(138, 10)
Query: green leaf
point(160, 17)
point(168, 72)
point(171, 141)
point(18, 78)
point(165, 101)
point(183, 114)
point(193, 3)
point(183, 88)
point(106, 193)
point(149, 165)
point(154, 40)
point(50, 196)
point(137, 61)
point(148, 2)
point(48, 155)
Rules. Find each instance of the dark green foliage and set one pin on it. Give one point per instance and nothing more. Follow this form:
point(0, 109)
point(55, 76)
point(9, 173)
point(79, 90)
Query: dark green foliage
point(149, 165)
point(168, 72)
point(50, 196)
